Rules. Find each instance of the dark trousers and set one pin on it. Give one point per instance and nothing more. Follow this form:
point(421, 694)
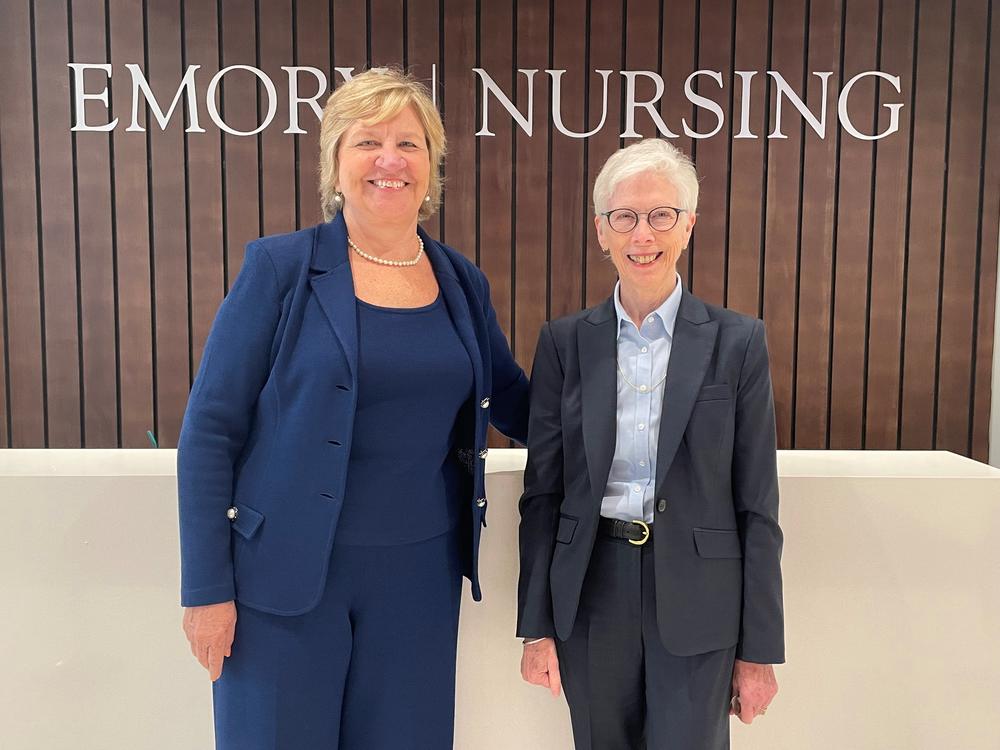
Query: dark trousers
point(625, 690)
point(371, 668)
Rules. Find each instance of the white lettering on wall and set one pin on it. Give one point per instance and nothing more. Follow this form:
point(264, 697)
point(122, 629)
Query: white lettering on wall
point(294, 100)
point(490, 87)
point(631, 105)
point(785, 91)
point(139, 83)
point(745, 77)
point(213, 105)
point(845, 120)
point(556, 76)
point(773, 84)
point(704, 103)
point(81, 97)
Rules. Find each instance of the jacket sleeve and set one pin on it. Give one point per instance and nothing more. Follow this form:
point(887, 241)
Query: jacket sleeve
point(509, 400)
point(234, 367)
point(543, 492)
point(755, 494)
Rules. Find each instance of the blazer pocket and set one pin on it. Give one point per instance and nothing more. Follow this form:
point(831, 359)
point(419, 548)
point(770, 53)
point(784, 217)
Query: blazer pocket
point(715, 392)
point(247, 521)
point(718, 543)
point(567, 527)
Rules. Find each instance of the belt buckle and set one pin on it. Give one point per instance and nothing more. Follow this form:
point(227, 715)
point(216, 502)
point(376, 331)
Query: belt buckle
point(645, 534)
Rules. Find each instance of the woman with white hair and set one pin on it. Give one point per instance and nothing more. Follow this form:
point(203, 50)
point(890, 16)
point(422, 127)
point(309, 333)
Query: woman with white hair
point(650, 584)
point(330, 466)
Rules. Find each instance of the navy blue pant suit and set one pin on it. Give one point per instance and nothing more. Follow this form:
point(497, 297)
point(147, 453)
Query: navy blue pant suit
point(331, 482)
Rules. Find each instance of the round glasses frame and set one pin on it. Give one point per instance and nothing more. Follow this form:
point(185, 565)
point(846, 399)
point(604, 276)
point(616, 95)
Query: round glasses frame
point(634, 215)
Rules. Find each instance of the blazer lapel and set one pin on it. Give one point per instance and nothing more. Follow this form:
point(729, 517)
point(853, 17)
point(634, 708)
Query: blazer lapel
point(597, 341)
point(690, 355)
point(333, 284)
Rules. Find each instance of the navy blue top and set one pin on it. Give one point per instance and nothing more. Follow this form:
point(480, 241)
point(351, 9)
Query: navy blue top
point(414, 375)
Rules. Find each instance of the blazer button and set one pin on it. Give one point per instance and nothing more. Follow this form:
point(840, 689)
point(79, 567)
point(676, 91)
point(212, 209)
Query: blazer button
point(481, 502)
point(231, 513)
point(661, 505)
point(485, 403)
point(484, 452)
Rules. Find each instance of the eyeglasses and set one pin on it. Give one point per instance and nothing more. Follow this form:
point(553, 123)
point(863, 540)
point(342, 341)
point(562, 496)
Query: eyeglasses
point(661, 219)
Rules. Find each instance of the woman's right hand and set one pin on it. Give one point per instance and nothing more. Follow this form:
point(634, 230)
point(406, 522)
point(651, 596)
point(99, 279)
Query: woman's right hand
point(540, 665)
point(210, 630)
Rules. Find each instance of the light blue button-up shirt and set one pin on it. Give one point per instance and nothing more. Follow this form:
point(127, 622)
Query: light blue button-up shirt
point(643, 356)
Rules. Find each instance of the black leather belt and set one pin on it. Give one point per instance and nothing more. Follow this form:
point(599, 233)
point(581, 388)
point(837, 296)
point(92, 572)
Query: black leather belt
point(636, 532)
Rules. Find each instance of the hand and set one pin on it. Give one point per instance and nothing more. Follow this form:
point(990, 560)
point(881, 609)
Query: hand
point(540, 665)
point(210, 630)
point(754, 687)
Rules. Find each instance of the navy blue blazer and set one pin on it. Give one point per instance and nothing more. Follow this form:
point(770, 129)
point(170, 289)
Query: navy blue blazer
point(717, 542)
point(270, 417)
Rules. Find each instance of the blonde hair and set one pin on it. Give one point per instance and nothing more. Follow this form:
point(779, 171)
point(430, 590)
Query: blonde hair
point(372, 97)
point(649, 155)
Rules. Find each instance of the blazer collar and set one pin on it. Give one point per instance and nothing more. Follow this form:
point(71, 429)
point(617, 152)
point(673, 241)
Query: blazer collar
point(333, 284)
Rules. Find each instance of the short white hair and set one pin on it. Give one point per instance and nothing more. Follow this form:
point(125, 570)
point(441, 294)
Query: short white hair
point(649, 155)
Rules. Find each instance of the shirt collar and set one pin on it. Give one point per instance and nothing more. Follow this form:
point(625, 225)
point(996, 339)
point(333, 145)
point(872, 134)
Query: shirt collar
point(666, 312)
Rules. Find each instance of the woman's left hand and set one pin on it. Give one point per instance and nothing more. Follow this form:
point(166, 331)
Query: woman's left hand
point(210, 630)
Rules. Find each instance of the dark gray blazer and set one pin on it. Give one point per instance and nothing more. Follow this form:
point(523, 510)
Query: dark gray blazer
point(717, 543)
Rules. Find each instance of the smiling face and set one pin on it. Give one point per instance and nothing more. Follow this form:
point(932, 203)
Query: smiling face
point(384, 170)
point(646, 259)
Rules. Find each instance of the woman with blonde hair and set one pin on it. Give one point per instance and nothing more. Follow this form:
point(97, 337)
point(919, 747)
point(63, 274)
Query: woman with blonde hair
point(331, 463)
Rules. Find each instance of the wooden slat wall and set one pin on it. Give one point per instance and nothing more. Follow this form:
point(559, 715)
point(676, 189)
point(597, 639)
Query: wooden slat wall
point(874, 264)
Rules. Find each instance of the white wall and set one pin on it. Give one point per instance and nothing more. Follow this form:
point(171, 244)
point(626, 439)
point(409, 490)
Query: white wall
point(891, 602)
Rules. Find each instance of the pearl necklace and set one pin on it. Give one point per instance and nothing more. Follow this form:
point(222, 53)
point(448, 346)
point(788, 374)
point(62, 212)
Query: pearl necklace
point(383, 261)
point(639, 388)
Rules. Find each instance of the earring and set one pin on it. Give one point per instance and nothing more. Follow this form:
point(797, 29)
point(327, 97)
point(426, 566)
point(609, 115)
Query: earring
point(605, 252)
point(427, 199)
point(338, 198)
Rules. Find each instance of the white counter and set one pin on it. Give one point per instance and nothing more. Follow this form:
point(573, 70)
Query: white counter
point(892, 605)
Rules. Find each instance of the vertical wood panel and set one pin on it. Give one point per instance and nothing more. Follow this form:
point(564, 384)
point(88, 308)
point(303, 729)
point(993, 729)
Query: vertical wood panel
point(927, 199)
point(531, 183)
point(853, 231)
point(961, 229)
point(312, 35)
point(422, 55)
point(278, 183)
point(812, 381)
point(708, 252)
point(888, 240)
point(679, 56)
point(131, 231)
point(496, 29)
point(387, 32)
point(568, 182)
point(459, 218)
point(783, 220)
point(4, 348)
point(206, 220)
point(170, 271)
point(240, 111)
point(747, 184)
point(58, 236)
point(350, 34)
point(605, 54)
point(21, 277)
point(987, 277)
point(97, 277)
